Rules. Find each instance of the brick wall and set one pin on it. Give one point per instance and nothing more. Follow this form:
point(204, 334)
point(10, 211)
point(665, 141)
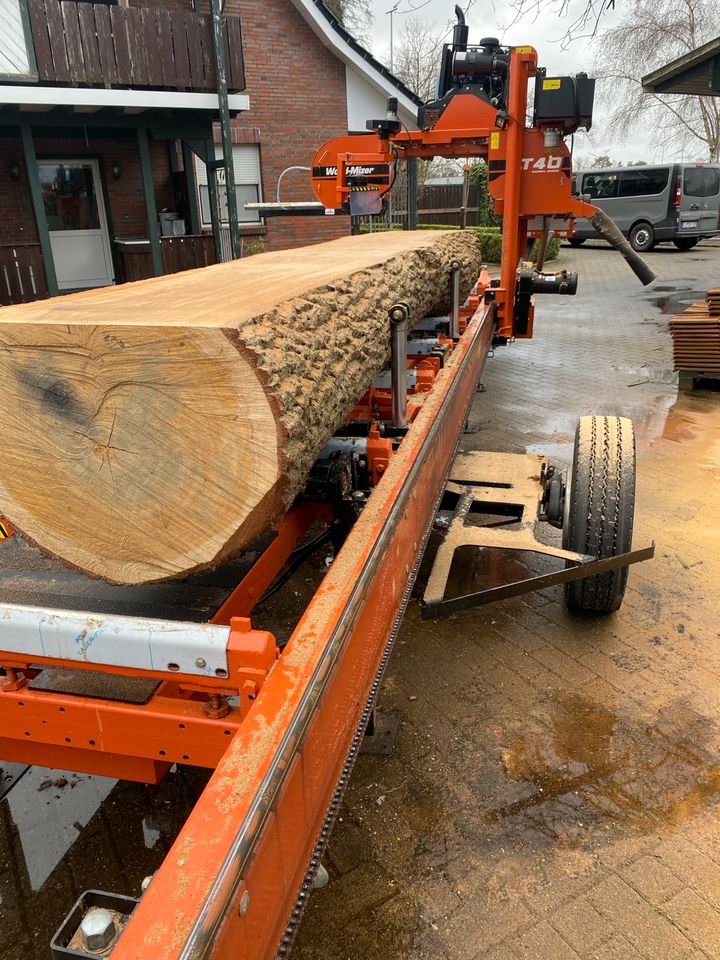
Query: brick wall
point(297, 102)
point(124, 197)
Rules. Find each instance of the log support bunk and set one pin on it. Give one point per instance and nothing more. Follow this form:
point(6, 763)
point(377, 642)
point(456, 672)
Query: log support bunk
point(281, 727)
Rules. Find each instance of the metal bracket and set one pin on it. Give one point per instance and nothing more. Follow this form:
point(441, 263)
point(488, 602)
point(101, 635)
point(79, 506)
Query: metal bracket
point(455, 277)
point(510, 486)
point(399, 315)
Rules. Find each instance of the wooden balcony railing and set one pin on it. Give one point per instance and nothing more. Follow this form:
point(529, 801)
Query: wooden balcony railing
point(22, 278)
point(178, 253)
point(93, 43)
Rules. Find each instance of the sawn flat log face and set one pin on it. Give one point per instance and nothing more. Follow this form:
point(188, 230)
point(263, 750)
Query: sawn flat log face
point(154, 429)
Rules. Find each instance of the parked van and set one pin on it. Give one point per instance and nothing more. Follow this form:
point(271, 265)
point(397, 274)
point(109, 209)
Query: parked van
point(678, 202)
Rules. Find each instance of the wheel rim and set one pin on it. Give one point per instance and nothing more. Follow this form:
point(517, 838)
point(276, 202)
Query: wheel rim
point(642, 237)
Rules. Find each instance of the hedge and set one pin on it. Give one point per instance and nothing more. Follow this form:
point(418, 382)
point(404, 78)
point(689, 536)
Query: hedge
point(490, 239)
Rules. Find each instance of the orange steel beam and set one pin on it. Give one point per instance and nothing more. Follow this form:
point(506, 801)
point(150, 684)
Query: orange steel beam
point(229, 883)
point(113, 739)
point(186, 720)
point(290, 531)
point(523, 65)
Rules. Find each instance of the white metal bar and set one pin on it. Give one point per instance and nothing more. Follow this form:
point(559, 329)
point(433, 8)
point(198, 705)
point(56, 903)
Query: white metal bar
point(143, 644)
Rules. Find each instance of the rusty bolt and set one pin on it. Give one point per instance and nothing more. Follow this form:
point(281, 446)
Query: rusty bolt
point(201, 663)
point(98, 929)
point(217, 707)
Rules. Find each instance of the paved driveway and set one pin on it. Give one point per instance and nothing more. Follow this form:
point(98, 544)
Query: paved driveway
point(554, 793)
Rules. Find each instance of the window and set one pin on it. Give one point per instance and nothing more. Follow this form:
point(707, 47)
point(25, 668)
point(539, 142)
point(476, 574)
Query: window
point(640, 182)
point(246, 159)
point(701, 181)
point(601, 186)
point(17, 53)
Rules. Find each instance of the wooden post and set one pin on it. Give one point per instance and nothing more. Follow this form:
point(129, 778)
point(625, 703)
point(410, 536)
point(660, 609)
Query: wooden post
point(39, 209)
point(218, 22)
point(150, 206)
point(412, 186)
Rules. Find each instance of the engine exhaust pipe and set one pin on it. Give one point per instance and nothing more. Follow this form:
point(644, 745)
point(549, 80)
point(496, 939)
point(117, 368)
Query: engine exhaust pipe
point(609, 230)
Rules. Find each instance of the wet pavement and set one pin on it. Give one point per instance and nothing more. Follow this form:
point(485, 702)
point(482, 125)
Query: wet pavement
point(554, 789)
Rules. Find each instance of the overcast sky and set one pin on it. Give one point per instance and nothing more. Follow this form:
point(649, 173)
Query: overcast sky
point(488, 19)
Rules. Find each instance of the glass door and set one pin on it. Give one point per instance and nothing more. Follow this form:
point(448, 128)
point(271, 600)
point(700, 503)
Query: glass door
point(77, 223)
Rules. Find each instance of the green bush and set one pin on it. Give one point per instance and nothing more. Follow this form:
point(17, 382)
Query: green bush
point(490, 239)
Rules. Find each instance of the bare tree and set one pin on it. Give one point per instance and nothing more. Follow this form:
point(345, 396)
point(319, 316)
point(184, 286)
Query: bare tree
point(417, 57)
point(651, 33)
point(577, 19)
point(355, 15)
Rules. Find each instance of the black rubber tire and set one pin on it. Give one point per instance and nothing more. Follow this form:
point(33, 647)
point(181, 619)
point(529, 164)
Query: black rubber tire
point(600, 509)
point(642, 237)
point(686, 243)
point(576, 241)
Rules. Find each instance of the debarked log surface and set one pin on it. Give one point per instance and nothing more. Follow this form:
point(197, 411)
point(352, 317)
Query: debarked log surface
point(156, 428)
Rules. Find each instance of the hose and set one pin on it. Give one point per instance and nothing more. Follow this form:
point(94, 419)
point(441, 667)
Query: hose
point(609, 230)
point(280, 180)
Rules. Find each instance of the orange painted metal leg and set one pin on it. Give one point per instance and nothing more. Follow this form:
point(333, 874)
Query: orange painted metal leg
point(290, 530)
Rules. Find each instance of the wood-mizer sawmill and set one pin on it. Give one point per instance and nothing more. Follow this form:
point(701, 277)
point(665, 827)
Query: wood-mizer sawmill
point(322, 392)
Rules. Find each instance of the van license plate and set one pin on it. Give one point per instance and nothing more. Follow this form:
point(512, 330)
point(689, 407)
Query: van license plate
point(689, 224)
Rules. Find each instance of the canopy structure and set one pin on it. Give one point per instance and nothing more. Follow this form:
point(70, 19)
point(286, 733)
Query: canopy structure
point(696, 73)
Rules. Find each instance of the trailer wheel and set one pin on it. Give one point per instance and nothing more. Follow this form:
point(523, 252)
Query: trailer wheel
point(685, 243)
point(576, 241)
point(600, 505)
point(642, 237)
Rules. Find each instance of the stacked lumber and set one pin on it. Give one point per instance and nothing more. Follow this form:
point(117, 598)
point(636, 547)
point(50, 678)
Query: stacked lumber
point(156, 428)
point(713, 301)
point(696, 336)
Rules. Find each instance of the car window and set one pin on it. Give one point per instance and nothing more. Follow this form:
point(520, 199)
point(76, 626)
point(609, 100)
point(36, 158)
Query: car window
point(601, 186)
point(701, 181)
point(640, 182)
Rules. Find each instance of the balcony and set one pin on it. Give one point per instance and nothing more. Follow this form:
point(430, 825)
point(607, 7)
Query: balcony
point(90, 44)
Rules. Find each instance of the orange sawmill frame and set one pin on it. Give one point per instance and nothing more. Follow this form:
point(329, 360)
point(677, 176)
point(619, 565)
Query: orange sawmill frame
point(229, 884)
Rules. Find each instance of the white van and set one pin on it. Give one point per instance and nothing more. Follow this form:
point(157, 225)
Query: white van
point(677, 202)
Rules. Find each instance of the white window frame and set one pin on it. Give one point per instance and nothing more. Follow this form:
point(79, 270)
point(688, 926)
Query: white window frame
point(248, 185)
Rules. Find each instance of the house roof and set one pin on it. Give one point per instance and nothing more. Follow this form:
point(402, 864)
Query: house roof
point(697, 72)
point(334, 35)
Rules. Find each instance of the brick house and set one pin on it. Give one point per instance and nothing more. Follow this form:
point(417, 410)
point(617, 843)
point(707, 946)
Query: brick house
point(109, 116)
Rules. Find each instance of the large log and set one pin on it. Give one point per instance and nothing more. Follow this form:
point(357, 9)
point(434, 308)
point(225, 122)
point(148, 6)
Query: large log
point(156, 428)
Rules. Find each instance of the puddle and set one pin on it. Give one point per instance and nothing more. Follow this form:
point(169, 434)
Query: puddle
point(585, 774)
point(675, 300)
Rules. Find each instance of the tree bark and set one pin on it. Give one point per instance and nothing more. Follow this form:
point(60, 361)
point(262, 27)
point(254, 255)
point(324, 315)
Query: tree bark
point(155, 429)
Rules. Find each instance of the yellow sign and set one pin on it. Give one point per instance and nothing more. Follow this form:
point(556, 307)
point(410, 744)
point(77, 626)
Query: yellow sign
point(551, 84)
point(495, 140)
point(524, 49)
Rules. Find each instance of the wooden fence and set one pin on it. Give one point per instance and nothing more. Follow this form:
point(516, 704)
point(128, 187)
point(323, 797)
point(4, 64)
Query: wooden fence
point(22, 278)
point(178, 253)
point(88, 43)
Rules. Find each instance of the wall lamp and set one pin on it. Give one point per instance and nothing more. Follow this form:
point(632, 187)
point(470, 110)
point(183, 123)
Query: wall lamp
point(15, 171)
point(116, 169)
